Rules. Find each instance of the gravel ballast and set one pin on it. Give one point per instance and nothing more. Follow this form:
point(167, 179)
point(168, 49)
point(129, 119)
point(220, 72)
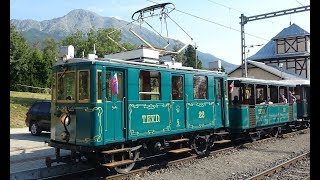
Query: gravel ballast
point(239, 163)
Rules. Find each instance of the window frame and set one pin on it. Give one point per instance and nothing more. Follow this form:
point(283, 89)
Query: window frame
point(97, 86)
point(150, 93)
point(75, 85)
point(78, 85)
point(182, 83)
point(207, 87)
point(54, 87)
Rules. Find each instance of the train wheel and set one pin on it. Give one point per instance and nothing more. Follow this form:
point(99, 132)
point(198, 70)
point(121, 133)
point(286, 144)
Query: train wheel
point(275, 132)
point(126, 168)
point(255, 136)
point(200, 145)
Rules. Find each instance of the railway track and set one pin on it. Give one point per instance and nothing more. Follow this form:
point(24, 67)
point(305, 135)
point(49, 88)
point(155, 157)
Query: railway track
point(81, 170)
point(296, 168)
point(193, 157)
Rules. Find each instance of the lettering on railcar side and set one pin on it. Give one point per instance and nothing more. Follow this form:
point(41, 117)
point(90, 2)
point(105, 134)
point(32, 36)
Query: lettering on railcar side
point(201, 114)
point(151, 118)
point(261, 111)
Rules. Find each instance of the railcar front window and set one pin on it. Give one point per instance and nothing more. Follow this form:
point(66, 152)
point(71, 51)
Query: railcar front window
point(149, 85)
point(200, 90)
point(66, 86)
point(84, 91)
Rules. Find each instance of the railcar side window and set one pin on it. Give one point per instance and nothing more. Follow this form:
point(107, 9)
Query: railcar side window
point(200, 87)
point(108, 86)
point(177, 88)
point(53, 87)
point(149, 85)
point(219, 89)
point(84, 88)
point(99, 86)
point(120, 86)
point(66, 86)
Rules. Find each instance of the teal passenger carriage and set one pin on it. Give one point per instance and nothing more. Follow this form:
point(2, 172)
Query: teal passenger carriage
point(109, 106)
point(302, 95)
point(259, 109)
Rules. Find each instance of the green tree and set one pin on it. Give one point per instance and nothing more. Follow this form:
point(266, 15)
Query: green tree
point(78, 40)
point(18, 59)
point(190, 61)
point(85, 42)
point(37, 69)
point(222, 69)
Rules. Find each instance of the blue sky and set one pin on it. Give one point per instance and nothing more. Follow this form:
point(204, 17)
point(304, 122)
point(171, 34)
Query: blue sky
point(223, 42)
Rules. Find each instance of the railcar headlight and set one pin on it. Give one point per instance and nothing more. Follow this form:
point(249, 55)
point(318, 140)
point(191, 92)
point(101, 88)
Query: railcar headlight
point(65, 119)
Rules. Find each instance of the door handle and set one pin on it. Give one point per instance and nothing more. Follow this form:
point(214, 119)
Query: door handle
point(114, 107)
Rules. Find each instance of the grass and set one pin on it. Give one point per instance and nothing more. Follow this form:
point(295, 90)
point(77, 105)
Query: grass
point(20, 102)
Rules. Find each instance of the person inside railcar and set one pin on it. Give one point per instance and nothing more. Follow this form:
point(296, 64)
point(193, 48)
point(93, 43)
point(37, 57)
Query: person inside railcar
point(261, 100)
point(283, 99)
point(292, 99)
point(269, 100)
point(235, 100)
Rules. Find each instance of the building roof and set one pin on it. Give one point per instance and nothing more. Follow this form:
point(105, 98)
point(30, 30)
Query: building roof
point(268, 51)
point(284, 73)
point(292, 31)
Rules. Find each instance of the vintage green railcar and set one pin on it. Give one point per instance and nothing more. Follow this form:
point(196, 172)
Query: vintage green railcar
point(106, 108)
point(302, 95)
point(259, 109)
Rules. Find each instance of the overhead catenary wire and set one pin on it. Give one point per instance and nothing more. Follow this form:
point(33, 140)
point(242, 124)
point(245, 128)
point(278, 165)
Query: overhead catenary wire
point(230, 8)
point(210, 21)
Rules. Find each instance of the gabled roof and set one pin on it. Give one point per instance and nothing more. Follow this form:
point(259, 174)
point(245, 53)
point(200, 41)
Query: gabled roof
point(284, 73)
point(268, 51)
point(292, 31)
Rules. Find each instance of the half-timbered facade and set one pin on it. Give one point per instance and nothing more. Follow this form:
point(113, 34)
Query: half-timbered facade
point(291, 48)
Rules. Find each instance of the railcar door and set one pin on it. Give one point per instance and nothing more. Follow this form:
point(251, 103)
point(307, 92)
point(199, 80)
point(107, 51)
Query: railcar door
point(177, 98)
point(115, 99)
point(218, 95)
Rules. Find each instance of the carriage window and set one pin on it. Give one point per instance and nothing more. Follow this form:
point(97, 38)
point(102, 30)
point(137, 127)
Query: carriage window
point(200, 90)
point(84, 91)
point(53, 87)
point(219, 89)
point(177, 88)
point(108, 86)
point(99, 86)
point(149, 85)
point(260, 95)
point(66, 86)
point(120, 86)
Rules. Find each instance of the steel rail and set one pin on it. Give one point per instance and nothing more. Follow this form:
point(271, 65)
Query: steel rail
point(279, 167)
point(66, 169)
point(192, 157)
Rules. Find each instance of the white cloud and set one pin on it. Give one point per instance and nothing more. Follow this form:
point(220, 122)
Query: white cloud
point(95, 9)
point(117, 17)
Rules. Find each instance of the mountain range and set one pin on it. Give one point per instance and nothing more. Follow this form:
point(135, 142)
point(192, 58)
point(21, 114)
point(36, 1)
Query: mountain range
point(83, 20)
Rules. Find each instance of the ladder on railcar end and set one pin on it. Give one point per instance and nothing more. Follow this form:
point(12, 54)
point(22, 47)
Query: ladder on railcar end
point(220, 137)
point(178, 145)
point(122, 159)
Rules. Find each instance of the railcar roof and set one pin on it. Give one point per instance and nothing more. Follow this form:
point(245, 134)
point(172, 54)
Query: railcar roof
point(134, 64)
point(261, 81)
point(298, 82)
